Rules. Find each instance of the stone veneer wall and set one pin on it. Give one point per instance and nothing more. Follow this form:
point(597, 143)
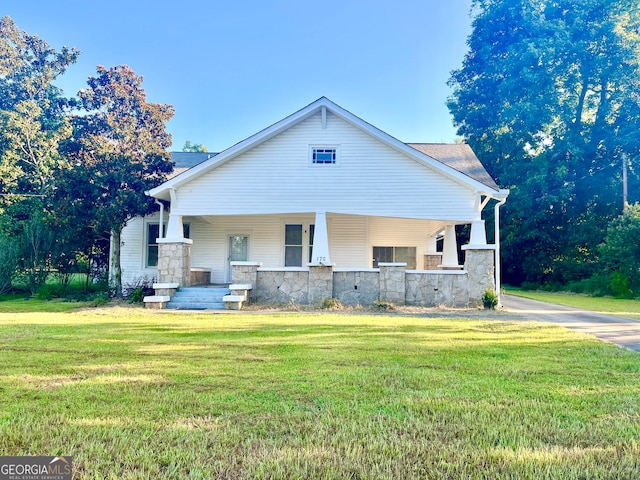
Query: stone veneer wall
point(356, 287)
point(480, 265)
point(174, 263)
point(434, 289)
point(281, 286)
point(391, 282)
point(320, 283)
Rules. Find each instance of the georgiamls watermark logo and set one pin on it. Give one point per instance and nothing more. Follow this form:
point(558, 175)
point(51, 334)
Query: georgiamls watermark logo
point(35, 468)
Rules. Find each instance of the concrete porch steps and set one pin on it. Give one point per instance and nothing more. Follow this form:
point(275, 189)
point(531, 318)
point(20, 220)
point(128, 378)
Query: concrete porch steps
point(199, 298)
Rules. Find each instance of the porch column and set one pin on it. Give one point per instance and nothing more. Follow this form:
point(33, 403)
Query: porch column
point(479, 263)
point(175, 230)
point(320, 283)
point(320, 255)
point(450, 248)
point(432, 258)
point(478, 233)
point(393, 283)
point(174, 261)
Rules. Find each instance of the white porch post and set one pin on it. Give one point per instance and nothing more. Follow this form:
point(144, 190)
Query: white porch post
point(321, 242)
point(478, 233)
point(175, 230)
point(174, 251)
point(498, 280)
point(432, 244)
point(450, 248)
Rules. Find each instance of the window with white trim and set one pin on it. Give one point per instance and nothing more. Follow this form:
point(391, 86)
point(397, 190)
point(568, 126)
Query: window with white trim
point(153, 233)
point(298, 243)
point(324, 156)
point(395, 255)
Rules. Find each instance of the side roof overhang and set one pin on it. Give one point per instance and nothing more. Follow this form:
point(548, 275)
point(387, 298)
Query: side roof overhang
point(483, 184)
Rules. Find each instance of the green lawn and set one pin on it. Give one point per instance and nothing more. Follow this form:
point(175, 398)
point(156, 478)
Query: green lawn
point(24, 303)
point(137, 394)
point(608, 305)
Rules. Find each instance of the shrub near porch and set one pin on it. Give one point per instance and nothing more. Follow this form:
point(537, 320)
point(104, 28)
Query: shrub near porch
point(129, 392)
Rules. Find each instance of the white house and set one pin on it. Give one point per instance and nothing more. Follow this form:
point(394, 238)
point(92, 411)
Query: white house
point(321, 191)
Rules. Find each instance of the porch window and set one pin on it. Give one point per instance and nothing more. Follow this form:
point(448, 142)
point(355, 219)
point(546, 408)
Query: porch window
point(395, 255)
point(153, 232)
point(297, 246)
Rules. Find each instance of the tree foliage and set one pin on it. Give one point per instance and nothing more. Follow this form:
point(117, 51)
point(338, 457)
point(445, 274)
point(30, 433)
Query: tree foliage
point(32, 112)
point(72, 171)
point(118, 150)
point(548, 97)
point(621, 251)
point(33, 122)
point(194, 147)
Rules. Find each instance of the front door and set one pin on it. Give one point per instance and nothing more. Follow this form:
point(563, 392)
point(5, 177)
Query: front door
point(238, 251)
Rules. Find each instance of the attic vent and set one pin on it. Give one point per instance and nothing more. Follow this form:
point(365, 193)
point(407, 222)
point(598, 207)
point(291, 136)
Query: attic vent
point(323, 156)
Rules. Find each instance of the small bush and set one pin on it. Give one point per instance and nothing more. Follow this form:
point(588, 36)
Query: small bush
point(620, 286)
point(99, 300)
point(49, 291)
point(490, 299)
point(138, 289)
point(551, 287)
point(530, 286)
point(332, 304)
point(136, 295)
point(597, 286)
point(383, 305)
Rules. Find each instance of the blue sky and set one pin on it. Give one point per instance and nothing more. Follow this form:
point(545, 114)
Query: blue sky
point(233, 68)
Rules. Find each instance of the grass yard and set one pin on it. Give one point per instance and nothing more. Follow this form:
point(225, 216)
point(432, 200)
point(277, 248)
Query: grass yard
point(137, 394)
point(611, 306)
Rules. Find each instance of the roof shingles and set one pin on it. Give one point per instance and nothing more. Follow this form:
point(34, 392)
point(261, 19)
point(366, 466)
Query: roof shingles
point(458, 156)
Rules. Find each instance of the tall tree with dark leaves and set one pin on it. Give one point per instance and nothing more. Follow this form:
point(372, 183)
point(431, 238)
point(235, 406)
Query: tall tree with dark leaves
point(548, 98)
point(33, 122)
point(118, 151)
point(32, 111)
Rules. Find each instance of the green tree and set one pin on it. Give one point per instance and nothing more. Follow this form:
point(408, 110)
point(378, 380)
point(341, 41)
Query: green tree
point(118, 150)
point(32, 111)
point(547, 96)
point(621, 252)
point(33, 122)
point(193, 147)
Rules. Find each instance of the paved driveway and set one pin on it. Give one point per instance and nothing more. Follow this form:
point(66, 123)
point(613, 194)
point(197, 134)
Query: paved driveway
point(618, 330)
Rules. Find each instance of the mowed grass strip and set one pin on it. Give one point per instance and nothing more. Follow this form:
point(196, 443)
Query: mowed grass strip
point(623, 307)
point(136, 394)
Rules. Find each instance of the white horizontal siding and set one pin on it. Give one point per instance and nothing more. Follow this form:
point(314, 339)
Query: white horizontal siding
point(398, 232)
point(133, 251)
point(348, 240)
point(370, 179)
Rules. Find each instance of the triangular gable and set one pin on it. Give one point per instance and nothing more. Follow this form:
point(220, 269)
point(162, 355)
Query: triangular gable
point(323, 104)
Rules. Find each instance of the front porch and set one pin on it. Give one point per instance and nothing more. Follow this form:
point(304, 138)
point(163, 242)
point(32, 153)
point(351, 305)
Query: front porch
point(410, 271)
point(390, 282)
